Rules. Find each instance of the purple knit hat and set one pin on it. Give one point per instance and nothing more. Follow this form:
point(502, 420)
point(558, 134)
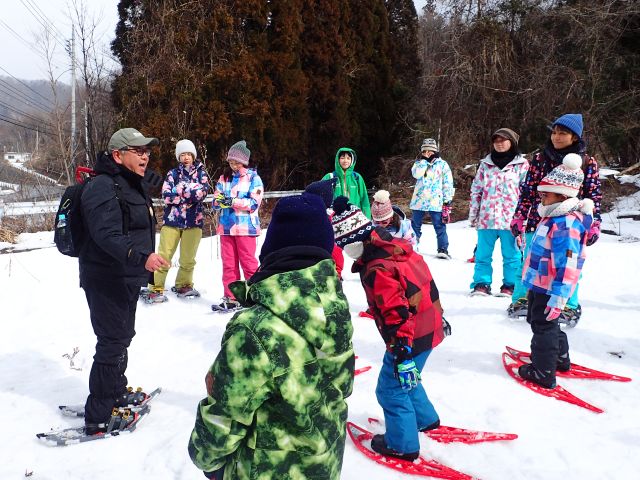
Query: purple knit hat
point(239, 152)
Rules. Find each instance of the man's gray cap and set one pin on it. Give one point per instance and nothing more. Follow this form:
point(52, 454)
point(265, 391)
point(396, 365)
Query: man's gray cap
point(130, 137)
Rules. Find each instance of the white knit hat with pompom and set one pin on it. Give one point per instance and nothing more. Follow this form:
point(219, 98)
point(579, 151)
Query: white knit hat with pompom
point(381, 208)
point(566, 178)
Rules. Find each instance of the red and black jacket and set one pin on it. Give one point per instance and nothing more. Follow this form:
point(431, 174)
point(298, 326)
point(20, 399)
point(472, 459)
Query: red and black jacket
point(400, 292)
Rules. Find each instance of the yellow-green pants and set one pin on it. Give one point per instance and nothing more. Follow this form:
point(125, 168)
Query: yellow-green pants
point(189, 239)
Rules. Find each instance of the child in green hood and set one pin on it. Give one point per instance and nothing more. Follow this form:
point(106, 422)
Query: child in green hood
point(350, 183)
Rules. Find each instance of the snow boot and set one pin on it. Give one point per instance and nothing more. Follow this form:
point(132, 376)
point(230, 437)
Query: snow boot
point(505, 291)
point(378, 445)
point(570, 316)
point(532, 374)
point(432, 426)
point(481, 290)
point(564, 364)
point(443, 253)
point(518, 308)
point(227, 305)
point(186, 291)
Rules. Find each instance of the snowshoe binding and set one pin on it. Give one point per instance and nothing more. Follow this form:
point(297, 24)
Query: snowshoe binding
point(150, 296)
point(570, 316)
point(121, 420)
point(226, 305)
point(186, 291)
point(518, 308)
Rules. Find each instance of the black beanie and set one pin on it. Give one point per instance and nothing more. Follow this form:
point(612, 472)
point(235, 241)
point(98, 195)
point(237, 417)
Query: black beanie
point(324, 189)
point(299, 220)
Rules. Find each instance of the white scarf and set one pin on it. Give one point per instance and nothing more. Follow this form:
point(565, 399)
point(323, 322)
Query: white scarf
point(565, 207)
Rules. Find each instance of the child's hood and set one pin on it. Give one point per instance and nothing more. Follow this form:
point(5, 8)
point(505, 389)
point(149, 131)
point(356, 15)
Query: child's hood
point(353, 159)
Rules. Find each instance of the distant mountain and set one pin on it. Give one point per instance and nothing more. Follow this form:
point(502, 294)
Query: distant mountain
point(22, 100)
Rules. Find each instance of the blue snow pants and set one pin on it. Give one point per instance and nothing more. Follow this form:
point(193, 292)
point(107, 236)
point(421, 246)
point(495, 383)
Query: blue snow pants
point(438, 226)
point(520, 291)
point(511, 257)
point(405, 411)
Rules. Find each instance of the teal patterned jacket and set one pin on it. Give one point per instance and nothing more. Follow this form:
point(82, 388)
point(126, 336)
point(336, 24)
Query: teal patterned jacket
point(276, 407)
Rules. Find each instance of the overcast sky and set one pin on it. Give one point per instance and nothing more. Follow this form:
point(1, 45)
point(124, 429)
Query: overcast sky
point(21, 21)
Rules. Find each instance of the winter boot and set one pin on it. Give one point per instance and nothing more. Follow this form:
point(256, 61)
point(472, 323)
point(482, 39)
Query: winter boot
point(570, 316)
point(481, 289)
point(432, 426)
point(518, 308)
point(505, 291)
point(227, 305)
point(443, 253)
point(564, 364)
point(378, 445)
point(121, 419)
point(532, 374)
point(186, 291)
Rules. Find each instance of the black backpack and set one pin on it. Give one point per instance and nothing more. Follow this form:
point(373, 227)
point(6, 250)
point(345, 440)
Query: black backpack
point(70, 233)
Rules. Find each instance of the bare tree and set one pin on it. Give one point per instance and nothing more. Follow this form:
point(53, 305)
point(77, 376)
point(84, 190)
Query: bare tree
point(96, 76)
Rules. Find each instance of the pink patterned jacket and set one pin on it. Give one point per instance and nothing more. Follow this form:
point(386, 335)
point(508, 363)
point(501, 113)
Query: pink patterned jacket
point(495, 193)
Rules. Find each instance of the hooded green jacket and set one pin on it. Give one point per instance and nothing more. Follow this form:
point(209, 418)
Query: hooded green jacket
point(276, 407)
point(350, 183)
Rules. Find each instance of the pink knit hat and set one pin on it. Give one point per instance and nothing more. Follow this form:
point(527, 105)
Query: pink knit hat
point(239, 152)
point(566, 178)
point(381, 208)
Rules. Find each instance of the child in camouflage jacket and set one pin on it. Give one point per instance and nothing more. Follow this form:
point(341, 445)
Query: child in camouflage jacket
point(276, 392)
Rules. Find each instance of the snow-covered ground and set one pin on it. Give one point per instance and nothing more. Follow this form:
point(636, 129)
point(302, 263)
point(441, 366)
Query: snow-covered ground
point(44, 317)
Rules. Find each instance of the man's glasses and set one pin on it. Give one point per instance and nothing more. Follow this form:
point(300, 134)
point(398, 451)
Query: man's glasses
point(140, 151)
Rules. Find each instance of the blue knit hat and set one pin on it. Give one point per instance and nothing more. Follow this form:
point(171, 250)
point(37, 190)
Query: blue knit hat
point(324, 189)
point(299, 220)
point(572, 121)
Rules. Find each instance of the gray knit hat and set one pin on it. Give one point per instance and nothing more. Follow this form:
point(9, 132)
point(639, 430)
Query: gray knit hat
point(239, 152)
point(429, 144)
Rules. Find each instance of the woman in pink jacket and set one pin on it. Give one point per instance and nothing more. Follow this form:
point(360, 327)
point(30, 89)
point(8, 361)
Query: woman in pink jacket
point(494, 196)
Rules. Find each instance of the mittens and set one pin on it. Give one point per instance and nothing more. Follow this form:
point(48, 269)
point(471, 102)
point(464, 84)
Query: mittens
point(517, 226)
point(594, 233)
point(446, 212)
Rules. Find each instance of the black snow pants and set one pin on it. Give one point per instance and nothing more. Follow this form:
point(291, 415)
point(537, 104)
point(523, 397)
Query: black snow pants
point(549, 342)
point(112, 306)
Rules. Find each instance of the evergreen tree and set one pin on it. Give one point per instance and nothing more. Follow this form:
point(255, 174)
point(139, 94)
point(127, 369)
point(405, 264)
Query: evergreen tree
point(372, 109)
point(324, 57)
point(405, 63)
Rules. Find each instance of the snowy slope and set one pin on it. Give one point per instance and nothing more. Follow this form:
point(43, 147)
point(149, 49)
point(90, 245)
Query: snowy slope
point(44, 316)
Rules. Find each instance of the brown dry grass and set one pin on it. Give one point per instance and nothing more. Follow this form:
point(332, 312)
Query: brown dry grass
point(13, 226)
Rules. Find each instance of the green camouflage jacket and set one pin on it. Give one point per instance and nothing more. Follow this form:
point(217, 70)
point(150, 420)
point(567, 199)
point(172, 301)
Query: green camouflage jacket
point(276, 407)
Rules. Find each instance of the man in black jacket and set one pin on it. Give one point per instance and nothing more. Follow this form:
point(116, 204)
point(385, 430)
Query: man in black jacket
point(115, 261)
